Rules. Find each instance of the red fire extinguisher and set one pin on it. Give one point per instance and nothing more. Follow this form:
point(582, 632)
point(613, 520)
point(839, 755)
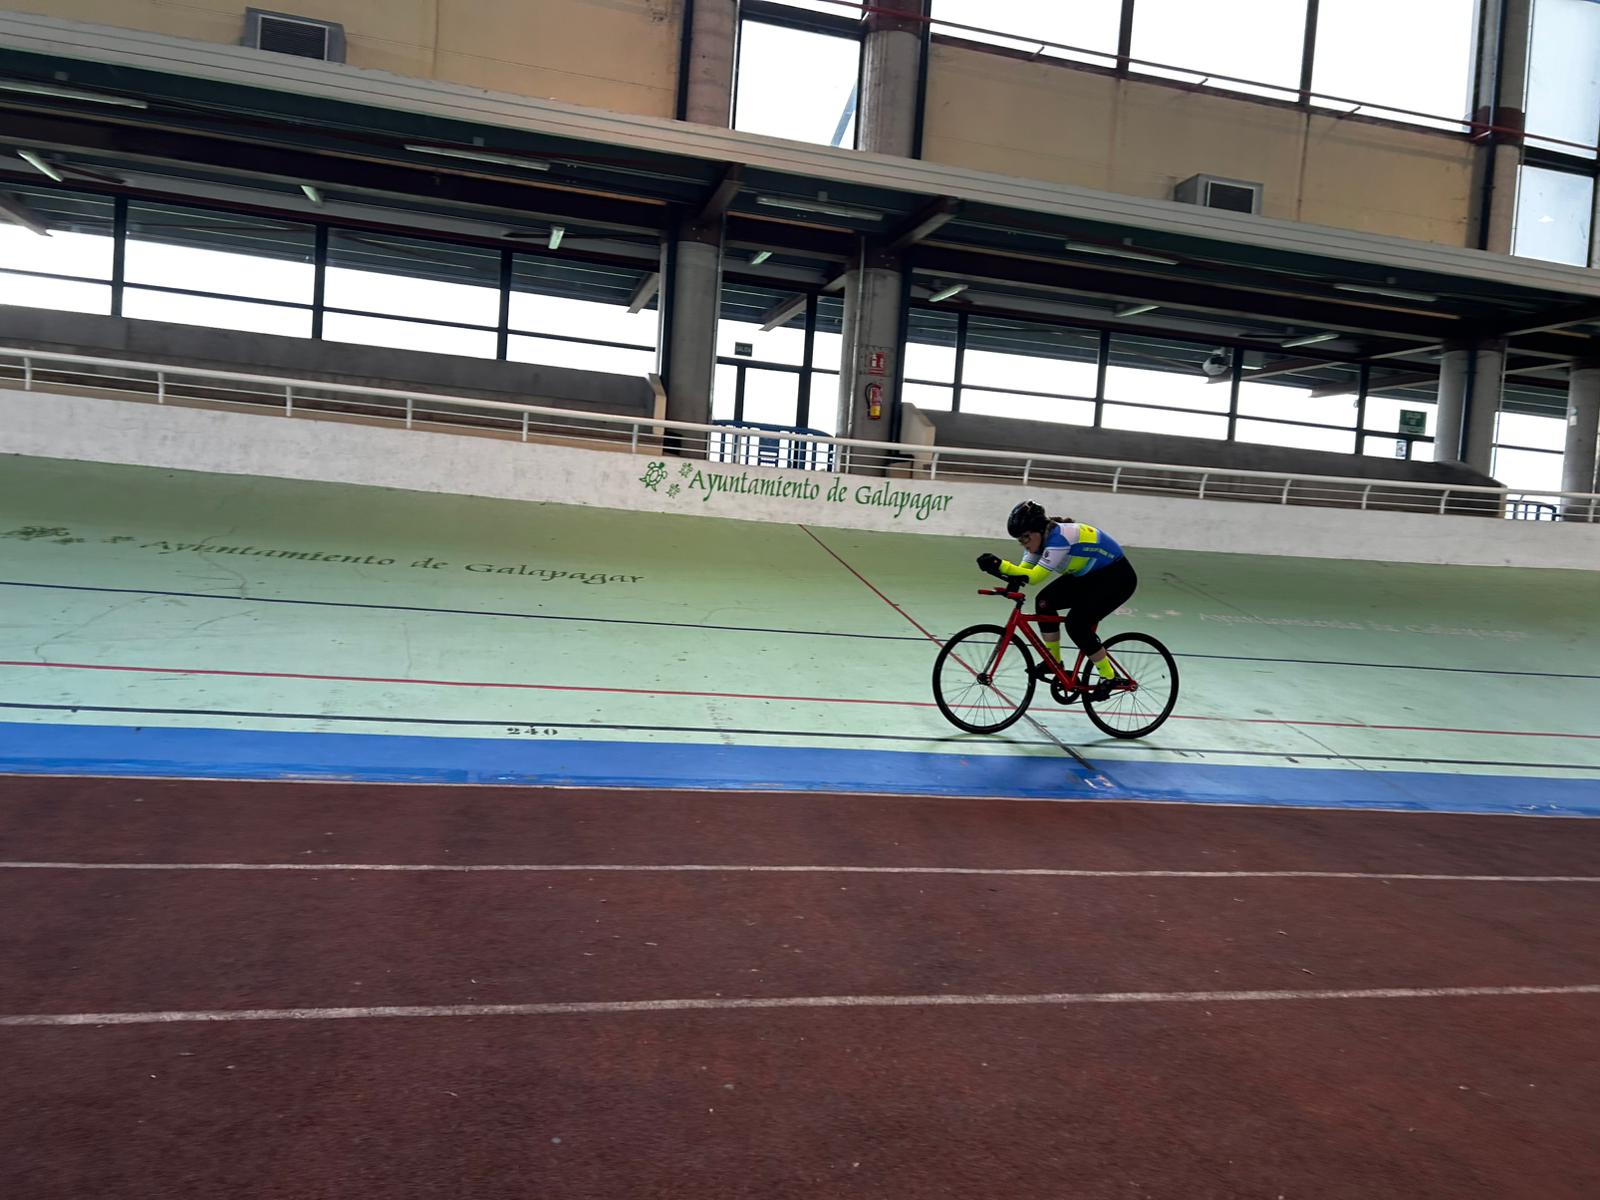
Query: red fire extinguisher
point(874, 401)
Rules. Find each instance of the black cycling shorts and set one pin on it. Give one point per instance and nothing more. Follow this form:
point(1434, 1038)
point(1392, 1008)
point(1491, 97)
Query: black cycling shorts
point(1087, 600)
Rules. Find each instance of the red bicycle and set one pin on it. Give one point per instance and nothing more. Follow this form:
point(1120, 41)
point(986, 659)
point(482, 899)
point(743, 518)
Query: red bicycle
point(984, 677)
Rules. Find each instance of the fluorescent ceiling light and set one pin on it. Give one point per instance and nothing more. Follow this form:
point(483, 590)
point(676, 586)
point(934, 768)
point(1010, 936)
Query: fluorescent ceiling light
point(39, 164)
point(819, 206)
point(557, 232)
point(945, 293)
point(1312, 340)
point(759, 257)
point(312, 194)
point(1396, 293)
point(1119, 252)
point(1134, 310)
point(504, 160)
point(64, 93)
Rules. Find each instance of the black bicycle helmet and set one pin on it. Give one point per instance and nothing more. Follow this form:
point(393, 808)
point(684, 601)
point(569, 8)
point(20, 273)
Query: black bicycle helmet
point(1026, 517)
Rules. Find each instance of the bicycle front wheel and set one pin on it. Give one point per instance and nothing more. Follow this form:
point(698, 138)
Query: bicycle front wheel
point(979, 689)
point(1145, 691)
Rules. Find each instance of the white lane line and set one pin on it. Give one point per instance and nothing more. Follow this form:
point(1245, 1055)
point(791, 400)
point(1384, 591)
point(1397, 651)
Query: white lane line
point(582, 1008)
point(749, 869)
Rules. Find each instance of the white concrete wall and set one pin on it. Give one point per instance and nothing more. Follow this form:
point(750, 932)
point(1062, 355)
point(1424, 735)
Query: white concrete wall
point(117, 431)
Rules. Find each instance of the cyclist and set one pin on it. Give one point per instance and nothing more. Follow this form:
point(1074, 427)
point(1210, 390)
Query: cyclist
point(1090, 576)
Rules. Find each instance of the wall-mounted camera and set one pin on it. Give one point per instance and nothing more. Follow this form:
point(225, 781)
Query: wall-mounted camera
point(1218, 362)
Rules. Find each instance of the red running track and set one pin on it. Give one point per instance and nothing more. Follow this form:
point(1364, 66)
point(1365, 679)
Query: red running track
point(1449, 1096)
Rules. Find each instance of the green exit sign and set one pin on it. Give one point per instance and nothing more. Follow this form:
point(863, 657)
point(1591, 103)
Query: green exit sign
point(1413, 422)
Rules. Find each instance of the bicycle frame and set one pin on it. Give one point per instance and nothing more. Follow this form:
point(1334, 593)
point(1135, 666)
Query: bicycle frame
point(1025, 622)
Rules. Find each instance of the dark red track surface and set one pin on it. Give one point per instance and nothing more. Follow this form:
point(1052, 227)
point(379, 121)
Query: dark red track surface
point(1455, 1097)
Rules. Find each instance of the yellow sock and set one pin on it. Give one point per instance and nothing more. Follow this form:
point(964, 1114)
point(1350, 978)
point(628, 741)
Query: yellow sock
point(1107, 671)
point(1054, 648)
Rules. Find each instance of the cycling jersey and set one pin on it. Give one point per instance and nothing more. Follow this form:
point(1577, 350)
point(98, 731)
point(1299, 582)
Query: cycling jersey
point(1075, 549)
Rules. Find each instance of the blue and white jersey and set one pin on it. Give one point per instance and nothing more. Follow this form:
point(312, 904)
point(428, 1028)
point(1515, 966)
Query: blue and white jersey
point(1075, 549)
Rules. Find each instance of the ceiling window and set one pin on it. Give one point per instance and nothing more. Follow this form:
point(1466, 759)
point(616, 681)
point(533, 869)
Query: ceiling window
point(797, 84)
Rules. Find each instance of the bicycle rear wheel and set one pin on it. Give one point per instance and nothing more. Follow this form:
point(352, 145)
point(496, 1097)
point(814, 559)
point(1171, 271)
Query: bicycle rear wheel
point(1146, 689)
point(973, 690)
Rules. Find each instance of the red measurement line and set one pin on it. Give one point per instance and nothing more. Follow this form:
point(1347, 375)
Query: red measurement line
point(566, 687)
point(463, 683)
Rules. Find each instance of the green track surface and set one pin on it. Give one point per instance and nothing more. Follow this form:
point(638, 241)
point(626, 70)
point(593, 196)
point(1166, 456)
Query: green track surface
point(1521, 693)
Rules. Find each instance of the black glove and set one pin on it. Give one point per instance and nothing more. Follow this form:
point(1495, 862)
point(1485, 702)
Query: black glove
point(989, 564)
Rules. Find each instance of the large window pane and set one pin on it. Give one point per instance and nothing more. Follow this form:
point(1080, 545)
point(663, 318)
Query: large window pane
point(1383, 422)
point(61, 294)
point(216, 314)
point(1564, 79)
point(931, 345)
point(1087, 25)
point(834, 8)
point(581, 356)
point(744, 311)
point(1027, 408)
point(1531, 432)
point(407, 277)
point(1291, 402)
point(1154, 371)
point(824, 414)
point(571, 298)
point(1152, 420)
point(1259, 40)
point(724, 387)
point(231, 254)
point(1414, 55)
point(796, 84)
point(771, 397)
point(1027, 357)
point(1303, 437)
point(927, 395)
point(408, 335)
point(1554, 209)
point(1533, 470)
point(79, 244)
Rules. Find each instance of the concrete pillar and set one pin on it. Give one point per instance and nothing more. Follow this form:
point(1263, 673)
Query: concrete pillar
point(891, 79)
point(1583, 428)
point(691, 291)
point(691, 301)
point(872, 352)
point(711, 33)
point(888, 116)
point(1502, 92)
point(1471, 378)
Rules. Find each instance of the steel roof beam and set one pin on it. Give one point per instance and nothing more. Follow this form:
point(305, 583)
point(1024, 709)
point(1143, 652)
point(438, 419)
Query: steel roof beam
point(929, 221)
point(716, 204)
point(347, 172)
point(1078, 278)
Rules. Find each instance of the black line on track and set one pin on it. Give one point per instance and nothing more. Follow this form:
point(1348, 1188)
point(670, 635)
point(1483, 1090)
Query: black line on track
point(876, 637)
point(458, 612)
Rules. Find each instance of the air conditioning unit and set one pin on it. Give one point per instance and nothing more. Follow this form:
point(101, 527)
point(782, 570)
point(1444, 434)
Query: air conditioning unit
point(1210, 191)
point(304, 37)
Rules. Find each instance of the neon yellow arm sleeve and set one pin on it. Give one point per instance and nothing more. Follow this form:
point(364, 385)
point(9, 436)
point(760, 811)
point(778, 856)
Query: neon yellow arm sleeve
point(1033, 574)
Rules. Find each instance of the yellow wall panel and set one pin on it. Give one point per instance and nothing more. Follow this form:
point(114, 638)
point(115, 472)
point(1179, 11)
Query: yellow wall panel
point(1016, 118)
point(1382, 180)
point(1040, 120)
point(1164, 135)
point(615, 54)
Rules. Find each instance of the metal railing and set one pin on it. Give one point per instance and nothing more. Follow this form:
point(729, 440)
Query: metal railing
point(743, 444)
point(752, 444)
